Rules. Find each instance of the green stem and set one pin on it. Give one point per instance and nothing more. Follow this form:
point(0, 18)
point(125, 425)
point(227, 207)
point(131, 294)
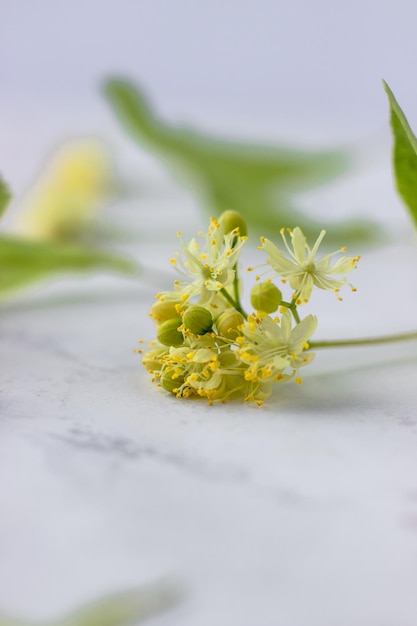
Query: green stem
point(236, 285)
point(234, 304)
point(346, 343)
point(293, 308)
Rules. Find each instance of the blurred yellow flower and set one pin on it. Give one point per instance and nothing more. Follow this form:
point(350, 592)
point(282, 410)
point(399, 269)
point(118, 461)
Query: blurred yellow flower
point(65, 199)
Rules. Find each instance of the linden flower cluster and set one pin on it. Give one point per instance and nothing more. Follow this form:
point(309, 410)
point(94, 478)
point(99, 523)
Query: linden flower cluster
point(207, 346)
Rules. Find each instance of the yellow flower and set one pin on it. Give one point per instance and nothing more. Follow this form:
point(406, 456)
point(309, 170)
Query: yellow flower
point(208, 265)
point(301, 267)
point(204, 367)
point(65, 199)
point(271, 347)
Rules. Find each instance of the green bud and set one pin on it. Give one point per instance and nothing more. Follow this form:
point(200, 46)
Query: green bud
point(169, 383)
point(231, 220)
point(197, 319)
point(265, 297)
point(168, 333)
point(163, 310)
point(228, 323)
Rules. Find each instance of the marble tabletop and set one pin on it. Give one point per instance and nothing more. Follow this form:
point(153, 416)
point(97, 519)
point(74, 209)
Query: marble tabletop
point(299, 513)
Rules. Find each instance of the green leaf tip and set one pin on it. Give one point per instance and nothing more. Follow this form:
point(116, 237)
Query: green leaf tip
point(404, 155)
point(131, 106)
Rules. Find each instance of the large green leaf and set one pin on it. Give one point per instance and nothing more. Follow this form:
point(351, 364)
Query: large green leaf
point(23, 261)
point(259, 181)
point(4, 196)
point(404, 155)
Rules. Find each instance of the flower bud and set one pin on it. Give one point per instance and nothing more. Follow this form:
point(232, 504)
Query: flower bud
point(168, 333)
point(228, 323)
point(197, 319)
point(265, 297)
point(163, 310)
point(231, 220)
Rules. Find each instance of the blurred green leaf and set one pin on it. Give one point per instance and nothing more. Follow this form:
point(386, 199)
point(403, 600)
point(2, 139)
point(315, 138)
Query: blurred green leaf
point(5, 196)
point(404, 155)
point(259, 181)
point(126, 608)
point(23, 261)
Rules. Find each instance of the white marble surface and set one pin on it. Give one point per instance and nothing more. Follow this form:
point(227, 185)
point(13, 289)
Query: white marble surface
point(301, 513)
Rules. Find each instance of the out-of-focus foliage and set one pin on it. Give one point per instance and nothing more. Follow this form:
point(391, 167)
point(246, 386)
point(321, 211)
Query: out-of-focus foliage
point(54, 220)
point(71, 189)
point(259, 181)
point(23, 261)
point(126, 608)
point(4, 196)
point(404, 155)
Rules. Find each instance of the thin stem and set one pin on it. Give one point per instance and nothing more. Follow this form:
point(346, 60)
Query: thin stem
point(346, 343)
point(234, 304)
point(293, 308)
point(236, 285)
